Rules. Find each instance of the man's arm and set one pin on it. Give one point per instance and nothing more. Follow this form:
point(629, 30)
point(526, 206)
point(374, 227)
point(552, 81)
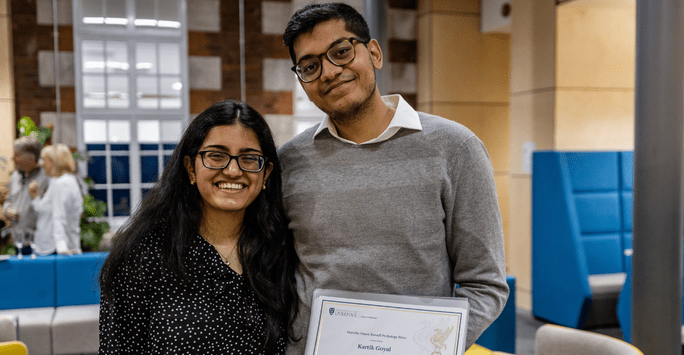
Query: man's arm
point(475, 240)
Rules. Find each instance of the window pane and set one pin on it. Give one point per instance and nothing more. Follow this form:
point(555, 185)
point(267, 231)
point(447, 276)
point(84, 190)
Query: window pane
point(148, 131)
point(146, 58)
point(169, 14)
point(144, 13)
point(93, 56)
point(149, 168)
point(117, 57)
point(169, 53)
point(122, 202)
point(94, 131)
point(149, 147)
point(97, 169)
point(92, 147)
point(92, 11)
point(148, 93)
point(116, 13)
point(120, 170)
point(119, 131)
point(100, 195)
point(117, 90)
point(171, 131)
point(93, 91)
point(171, 92)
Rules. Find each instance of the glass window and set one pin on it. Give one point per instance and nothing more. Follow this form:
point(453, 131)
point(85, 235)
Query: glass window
point(170, 92)
point(147, 94)
point(148, 131)
point(92, 53)
point(94, 131)
point(117, 57)
point(171, 131)
point(146, 58)
point(119, 132)
point(170, 55)
point(144, 13)
point(122, 202)
point(93, 91)
point(92, 11)
point(116, 13)
point(117, 91)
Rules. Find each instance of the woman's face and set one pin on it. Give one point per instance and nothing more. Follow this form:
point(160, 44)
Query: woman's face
point(230, 189)
point(48, 166)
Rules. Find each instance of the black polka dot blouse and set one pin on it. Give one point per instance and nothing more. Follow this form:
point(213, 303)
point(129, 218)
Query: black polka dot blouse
point(154, 312)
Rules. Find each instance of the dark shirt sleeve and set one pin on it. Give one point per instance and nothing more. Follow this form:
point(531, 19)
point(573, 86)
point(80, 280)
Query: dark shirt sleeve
point(125, 319)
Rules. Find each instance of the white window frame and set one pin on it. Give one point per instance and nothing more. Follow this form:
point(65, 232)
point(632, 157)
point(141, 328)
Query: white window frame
point(131, 35)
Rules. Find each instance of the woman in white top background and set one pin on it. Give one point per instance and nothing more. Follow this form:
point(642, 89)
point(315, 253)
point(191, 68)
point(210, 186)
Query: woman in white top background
point(59, 210)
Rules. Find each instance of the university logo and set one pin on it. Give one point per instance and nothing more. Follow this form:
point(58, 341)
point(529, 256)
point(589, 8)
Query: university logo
point(332, 311)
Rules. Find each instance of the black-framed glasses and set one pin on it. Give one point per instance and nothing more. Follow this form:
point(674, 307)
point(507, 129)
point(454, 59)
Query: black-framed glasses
point(212, 159)
point(340, 53)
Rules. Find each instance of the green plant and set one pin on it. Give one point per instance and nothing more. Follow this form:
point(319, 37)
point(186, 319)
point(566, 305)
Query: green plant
point(92, 226)
point(26, 127)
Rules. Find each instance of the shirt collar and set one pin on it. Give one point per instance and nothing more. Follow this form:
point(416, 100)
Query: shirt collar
point(404, 117)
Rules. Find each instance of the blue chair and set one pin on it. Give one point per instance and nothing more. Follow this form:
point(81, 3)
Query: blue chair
point(579, 234)
point(500, 336)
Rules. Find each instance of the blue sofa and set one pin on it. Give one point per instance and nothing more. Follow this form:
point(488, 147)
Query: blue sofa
point(581, 235)
point(56, 301)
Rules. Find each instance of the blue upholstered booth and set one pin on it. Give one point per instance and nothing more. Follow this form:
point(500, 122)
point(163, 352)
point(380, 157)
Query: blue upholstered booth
point(581, 227)
point(76, 279)
point(500, 336)
point(27, 283)
point(50, 281)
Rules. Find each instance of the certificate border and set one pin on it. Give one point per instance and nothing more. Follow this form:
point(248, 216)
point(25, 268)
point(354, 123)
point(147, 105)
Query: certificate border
point(325, 300)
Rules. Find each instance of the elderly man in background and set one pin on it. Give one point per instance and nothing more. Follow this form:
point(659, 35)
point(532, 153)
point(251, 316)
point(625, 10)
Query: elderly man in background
point(17, 208)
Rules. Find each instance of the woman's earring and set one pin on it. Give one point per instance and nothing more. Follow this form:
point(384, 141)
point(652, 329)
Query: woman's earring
point(264, 188)
point(192, 181)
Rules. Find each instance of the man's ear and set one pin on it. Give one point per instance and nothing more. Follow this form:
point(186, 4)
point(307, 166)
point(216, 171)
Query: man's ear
point(375, 53)
point(190, 168)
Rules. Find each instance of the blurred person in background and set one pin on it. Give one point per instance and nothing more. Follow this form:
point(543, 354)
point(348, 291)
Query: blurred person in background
point(17, 209)
point(59, 209)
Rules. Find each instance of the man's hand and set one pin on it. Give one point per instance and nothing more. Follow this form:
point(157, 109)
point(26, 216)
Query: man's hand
point(33, 189)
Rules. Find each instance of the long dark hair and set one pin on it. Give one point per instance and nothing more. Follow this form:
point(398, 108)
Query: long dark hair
point(266, 246)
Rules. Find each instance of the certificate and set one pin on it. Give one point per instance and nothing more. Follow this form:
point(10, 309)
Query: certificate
point(352, 323)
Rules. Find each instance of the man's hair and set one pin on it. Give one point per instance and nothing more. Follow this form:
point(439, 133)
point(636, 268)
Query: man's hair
point(28, 144)
point(305, 19)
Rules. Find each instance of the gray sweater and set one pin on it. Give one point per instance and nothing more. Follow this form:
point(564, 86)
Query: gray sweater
point(414, 215)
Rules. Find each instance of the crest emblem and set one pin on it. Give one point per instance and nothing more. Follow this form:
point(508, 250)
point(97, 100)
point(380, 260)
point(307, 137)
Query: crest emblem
point(331, 310)
point(439, 339)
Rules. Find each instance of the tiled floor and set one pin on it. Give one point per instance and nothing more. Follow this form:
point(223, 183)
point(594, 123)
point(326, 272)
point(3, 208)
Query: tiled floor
point(527, 326)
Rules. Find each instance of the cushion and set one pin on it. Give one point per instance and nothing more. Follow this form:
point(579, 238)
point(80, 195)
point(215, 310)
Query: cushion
point(75, 329)
point(607, 283)
point(34, 328)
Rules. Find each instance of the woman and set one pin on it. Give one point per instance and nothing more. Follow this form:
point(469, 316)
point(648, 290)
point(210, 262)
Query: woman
point(206, 264)
point(58, 228)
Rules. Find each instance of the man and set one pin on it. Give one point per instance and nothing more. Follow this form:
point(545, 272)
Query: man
point(17, 207)
point(382, 198)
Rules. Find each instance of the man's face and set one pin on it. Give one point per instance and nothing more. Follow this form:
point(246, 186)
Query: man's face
point(339, 91)
point(24, 162)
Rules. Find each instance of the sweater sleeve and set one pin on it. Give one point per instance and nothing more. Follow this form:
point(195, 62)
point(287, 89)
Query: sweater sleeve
point(475, 236)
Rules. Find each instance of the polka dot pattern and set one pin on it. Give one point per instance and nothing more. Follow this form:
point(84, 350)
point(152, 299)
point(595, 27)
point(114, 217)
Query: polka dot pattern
point(153, 311)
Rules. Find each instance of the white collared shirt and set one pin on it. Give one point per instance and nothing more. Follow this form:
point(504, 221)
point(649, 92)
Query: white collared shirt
point(404, 117)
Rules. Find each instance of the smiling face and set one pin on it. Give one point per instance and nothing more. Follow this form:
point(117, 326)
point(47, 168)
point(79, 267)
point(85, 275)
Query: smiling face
point(229, 190)
point(341, 92)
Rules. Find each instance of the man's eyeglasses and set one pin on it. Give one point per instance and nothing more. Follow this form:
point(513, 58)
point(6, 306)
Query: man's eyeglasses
point(216, 160)
point(340, 53)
